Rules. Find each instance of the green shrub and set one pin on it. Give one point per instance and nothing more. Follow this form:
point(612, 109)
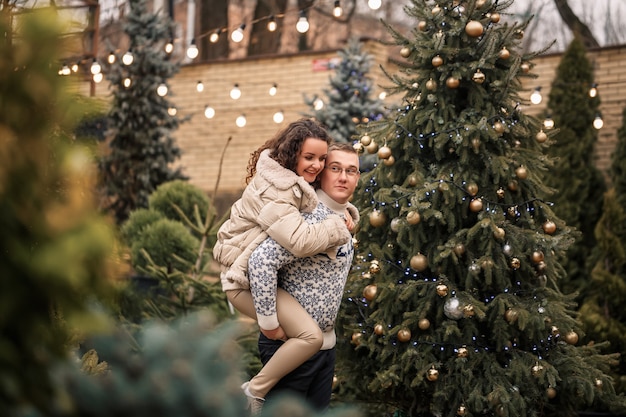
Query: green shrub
point(137, 222)
point(168, 243)
point(181, 194)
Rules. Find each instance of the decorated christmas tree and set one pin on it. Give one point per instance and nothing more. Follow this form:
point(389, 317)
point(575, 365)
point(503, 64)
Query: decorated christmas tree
point(349, 99)
point(578, 198)
point(453, 306)
point(142, 118)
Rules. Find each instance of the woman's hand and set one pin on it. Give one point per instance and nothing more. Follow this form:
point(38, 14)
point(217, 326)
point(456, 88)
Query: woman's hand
point(349, 221)
point(276, 334)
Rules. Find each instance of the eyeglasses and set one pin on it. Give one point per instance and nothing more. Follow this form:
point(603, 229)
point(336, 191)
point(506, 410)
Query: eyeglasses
point(337, 170)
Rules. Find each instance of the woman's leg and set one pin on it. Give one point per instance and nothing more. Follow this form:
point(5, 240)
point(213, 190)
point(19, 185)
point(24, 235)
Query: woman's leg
point(304, 338)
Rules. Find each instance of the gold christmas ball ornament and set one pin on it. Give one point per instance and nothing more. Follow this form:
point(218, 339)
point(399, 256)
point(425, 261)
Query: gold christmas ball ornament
point(550, 393)
point(366, 140)
point(519, 34)
point(468, 310)
point(413, 217)
point(476, 144)
point(422, 25)
point(412, 180)
point(377, 218)
point(404, 335)
point(521, 172)
point(478, 77)
point(474, 28)
point(512, 185)
point(555, 331)
point(437, 61)
point(369, 292)
point(525, 68)
point(598, 383)
point(511, 315)
point(436, 10)
point(459, 249)
point(405, 51)
point(504, 53)
point(452, 82)
point(536, 369)
point(423, 324)
point(356, 338)
point(541, 136)
point(500, 193)
point(335, 382)
point(431, 85)
point(372, 148)
point(442, 290)
point(480, 3)
point(515, 263)
point(419, 262)
point(359, 148)
point(498, 127)
point(462, 352)
point(495, 17)
point(472, 189)
point(384, 152)
point(432, 374)
point(537, 256)
point(461, 411)
point(389, 161)
point(499, 233)
point(374, 267)
point(379, 329)
point(541, 266)
point(571, 338)
point(549, 227)
point(476, 205)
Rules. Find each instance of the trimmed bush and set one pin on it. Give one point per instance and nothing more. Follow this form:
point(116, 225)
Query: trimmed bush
point(182, 194)
point(137, 223)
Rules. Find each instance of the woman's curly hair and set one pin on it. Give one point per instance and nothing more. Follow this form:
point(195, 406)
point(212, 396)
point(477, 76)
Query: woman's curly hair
point(286, 145)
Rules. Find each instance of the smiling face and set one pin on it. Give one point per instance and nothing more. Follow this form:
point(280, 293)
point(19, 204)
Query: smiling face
point(341, 175)
point(311, 159)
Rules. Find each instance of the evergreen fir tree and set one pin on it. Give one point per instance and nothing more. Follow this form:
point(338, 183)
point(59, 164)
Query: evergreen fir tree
point(349, 102)
point(142, 150)
point(602, 312)
point(578, 183)
point(453, 306)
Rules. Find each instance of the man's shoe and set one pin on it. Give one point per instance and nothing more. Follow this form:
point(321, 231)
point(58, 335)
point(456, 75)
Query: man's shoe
point(255, 404)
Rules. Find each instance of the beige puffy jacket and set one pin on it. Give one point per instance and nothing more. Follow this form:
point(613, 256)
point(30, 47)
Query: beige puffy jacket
point(271, 205)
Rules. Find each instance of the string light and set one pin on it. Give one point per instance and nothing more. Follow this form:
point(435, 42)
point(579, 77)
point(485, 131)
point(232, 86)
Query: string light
point(128, 58)
point(172, 111)
point(199, 87)
point(374, 4)
point(536, 97)
point(593, 91)
point(241, 121)
point(95, 67)
point(214, 36)
point(548, 123)
point(209, 112)
point(162, 90)
point(278, 117)
point(598, 122)
point(65, 70)
point(192, 51)
point(318, 104)
point(337, 10)
point(169, 47)
point(127, 82)
point(235, 93)
point(75, 67)
point(303, 24)
point(111, 58)
point(97, 78)
point(271, 24)
point(273, 90)
point(237, 35)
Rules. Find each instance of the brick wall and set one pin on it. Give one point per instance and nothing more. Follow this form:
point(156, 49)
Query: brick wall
point(299, 75)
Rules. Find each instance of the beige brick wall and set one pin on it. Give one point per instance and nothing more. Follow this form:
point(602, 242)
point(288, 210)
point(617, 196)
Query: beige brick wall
point(203, 140)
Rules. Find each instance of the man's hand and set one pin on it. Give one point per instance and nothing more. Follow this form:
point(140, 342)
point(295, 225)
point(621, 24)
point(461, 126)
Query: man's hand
point(276, 334)
point(349, 221)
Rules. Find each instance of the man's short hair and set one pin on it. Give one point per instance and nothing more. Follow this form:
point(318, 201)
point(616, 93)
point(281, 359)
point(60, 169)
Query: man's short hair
point(342, 146)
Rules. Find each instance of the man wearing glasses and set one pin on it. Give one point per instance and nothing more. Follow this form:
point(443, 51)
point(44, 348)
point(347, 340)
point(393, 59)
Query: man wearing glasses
point(316, 282)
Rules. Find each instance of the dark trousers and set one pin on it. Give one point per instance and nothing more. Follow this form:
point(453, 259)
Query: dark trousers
point(313, 380)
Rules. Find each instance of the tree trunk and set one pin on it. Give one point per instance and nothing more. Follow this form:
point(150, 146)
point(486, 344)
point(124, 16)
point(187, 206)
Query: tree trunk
point(262, 41)
point(213, 15)
point(578, 28)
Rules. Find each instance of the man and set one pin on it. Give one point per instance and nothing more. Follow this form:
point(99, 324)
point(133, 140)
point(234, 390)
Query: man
point(316, 282)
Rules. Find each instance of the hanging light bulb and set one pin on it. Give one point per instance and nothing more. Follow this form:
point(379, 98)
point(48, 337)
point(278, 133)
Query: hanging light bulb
point(241, 121)
point(95, 67)
point(75, 67)
point(273, 90)
point(235, 93)
point(548, 123)
point(318, 104)
point(303, 24)
point(97, 78)
point(127, 82)
point(209, 112)
point(65, 70)
point(199, 87)
point(214, 36)
point(374, 4)
point(172, 111)
point(337, 10)
point(111, 58)
point(279, 117)
point(237, 35)
point(128, 58)
point(271, 24)
point(598, 122)
point(536, 97)
point(593, 91)
point(169, 46)
point(382, 95)
point(192, 51)
point(162, 90)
